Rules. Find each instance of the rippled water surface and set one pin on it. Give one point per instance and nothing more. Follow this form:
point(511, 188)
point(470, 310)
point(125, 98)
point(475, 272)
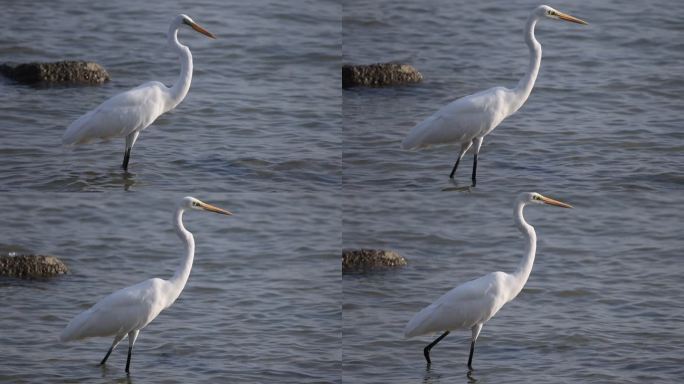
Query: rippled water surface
point(602, 130)
point(261, 304)
point(263, 111)
point(262, 133)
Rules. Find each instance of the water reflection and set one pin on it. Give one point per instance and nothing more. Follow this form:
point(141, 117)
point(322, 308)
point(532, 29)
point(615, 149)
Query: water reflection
point(79, 181)
point(128, 180)
point(122, 380)
point(430, 376)
point(470, 377)
point(457, 188)
point(434, 377)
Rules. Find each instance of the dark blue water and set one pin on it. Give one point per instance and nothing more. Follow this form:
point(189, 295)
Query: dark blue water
point(601, 130)
point(246, 124)
point(258, 134)
point(261, 304)
point(308, 169)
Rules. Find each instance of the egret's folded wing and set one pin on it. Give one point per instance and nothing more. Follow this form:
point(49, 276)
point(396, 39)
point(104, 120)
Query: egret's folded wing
point(119, 116)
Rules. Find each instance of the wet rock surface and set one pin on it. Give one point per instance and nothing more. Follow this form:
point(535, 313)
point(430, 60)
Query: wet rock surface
point(31, 266)
point(379, 75)
point(361, 260)
point(61, 72)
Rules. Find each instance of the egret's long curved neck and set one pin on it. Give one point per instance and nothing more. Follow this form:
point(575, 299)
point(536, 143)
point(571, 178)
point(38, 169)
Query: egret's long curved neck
point(182, 85)
point(183, 271)
point(524, 87)
point(525, 267)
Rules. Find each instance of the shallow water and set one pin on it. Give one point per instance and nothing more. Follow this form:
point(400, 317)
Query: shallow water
point(263, 301)
point(246, 124)
point(601, 305)
point(601, 131)
point(259, 304)
point(262, 133)
point(604, 114)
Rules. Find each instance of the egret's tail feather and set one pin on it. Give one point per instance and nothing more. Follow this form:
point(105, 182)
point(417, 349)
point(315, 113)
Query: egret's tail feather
point(72, 137)
point(66, 335)
point(79, 327)
point(415, 139)
point(74, 134)
point(411, 328)
point(408, 143)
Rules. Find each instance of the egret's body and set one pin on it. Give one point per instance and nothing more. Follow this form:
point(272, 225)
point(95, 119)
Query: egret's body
point(466, 121)
point(128, 310)
point(472, 304)
point(128, 113)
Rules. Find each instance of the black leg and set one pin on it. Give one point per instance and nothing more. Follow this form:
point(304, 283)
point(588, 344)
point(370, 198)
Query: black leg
point(451, 176)
point(128, 360)
point(427, 349)
point(470, 359)
point(107, 355)
point(474, 168)
point(125, 161)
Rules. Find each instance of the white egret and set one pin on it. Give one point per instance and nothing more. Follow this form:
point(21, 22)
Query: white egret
point(466, 121)
point(128, 113)
point(472, 304)
point(128, 310)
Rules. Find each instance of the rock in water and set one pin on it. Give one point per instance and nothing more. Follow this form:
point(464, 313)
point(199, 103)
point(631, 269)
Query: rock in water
point(379, 75)
point(61, 72)
point(361, 260)
point(31, 266)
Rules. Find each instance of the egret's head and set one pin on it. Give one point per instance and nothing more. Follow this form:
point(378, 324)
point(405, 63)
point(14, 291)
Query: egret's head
point(536, 198)
point(190, 202)
point(548, 12)
point(186, 20)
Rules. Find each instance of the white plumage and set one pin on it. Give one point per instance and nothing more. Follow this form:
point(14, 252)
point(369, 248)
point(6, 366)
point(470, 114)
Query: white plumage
point(466, 121)
point(127, 114)
point(472, 304)
point(463, 307)
point(462, 120)
point(128, 310)
point(121, 312)
point(123, 114)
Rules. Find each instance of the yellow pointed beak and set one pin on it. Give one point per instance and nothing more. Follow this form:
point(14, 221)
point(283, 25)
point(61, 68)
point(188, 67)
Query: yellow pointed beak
point(201, 30)
point(572, 19)
point(211, 208)
point(555, 202)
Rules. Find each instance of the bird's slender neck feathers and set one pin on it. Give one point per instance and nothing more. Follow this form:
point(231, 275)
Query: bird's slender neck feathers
point(519, 277)
point(182, 85)
point(183, 271)
point(524, 87)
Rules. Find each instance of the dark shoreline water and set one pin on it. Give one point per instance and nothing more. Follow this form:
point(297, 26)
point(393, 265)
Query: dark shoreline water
point(246, 123)
point(601, 131)
point(258, 305)
point(309, 169)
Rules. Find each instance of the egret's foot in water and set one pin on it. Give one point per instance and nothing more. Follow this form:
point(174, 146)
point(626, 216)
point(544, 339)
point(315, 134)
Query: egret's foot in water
point(470, 377)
